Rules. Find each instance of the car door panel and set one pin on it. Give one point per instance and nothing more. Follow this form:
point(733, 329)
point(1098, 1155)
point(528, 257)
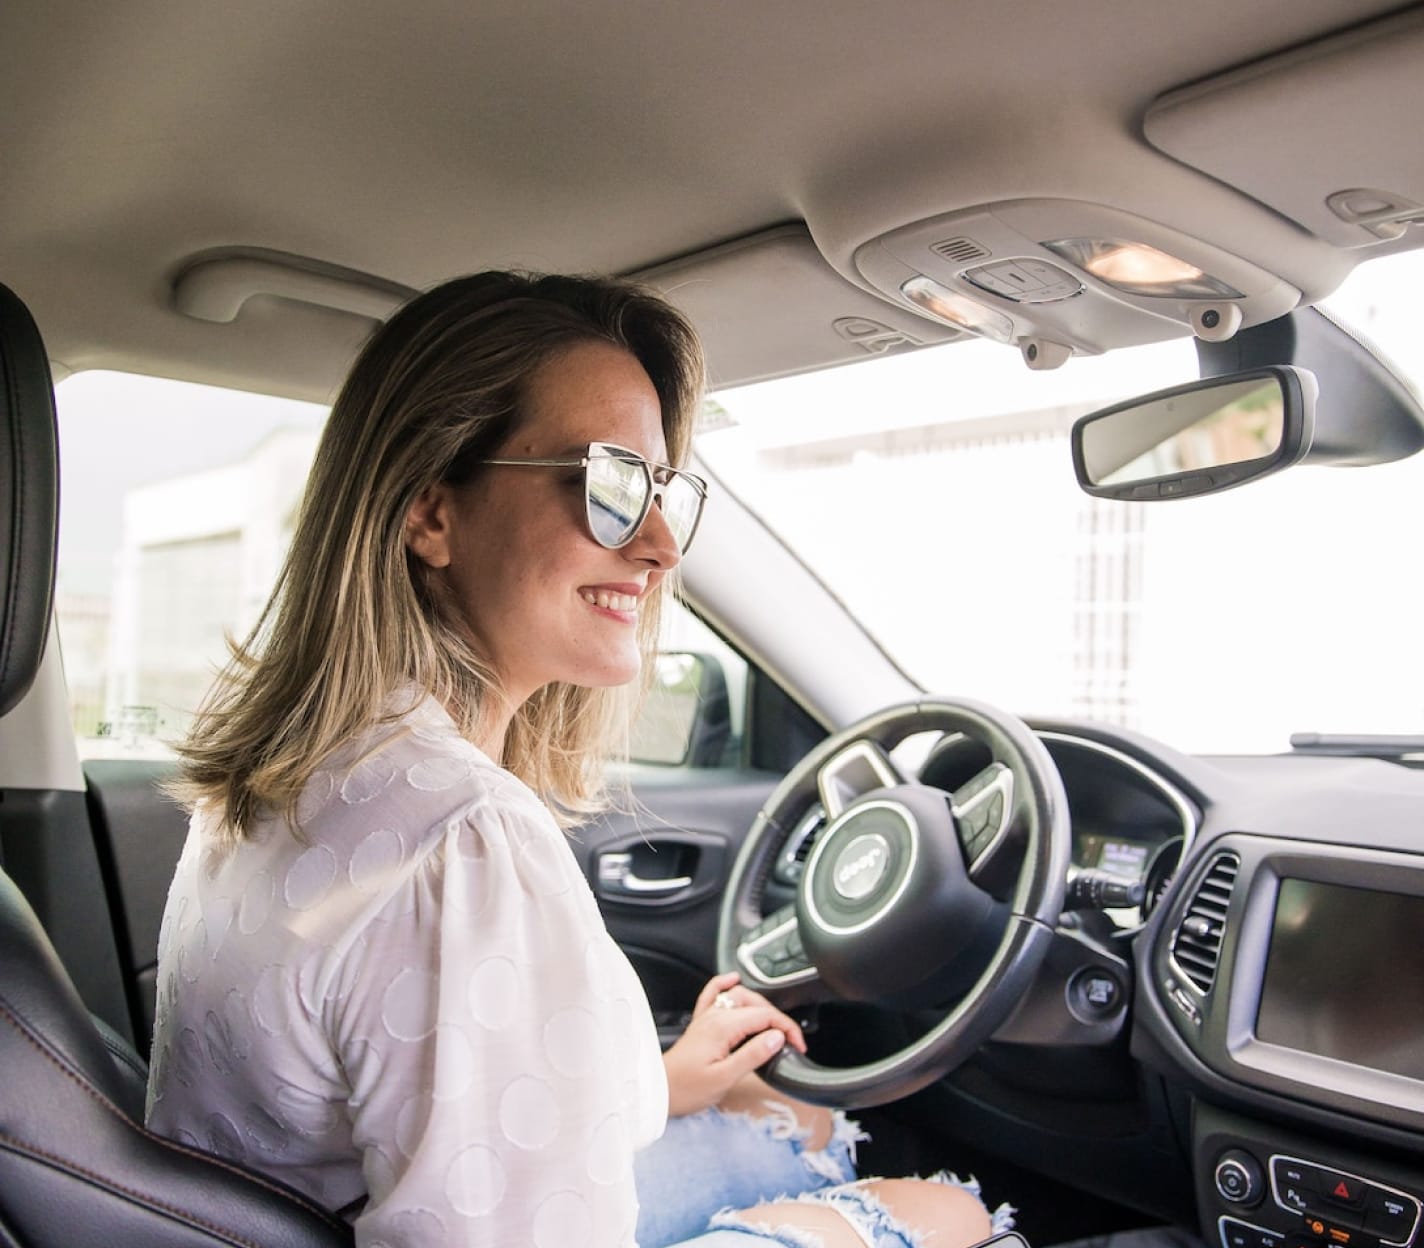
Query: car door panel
point(659, 869)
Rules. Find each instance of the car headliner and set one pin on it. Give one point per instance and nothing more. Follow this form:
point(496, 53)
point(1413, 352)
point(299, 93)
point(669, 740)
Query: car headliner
point(415, 142)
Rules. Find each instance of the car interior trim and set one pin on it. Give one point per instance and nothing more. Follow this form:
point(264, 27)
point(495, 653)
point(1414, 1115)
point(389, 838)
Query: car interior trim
point(856, 769)
point(217, 288)
point(1175, 798)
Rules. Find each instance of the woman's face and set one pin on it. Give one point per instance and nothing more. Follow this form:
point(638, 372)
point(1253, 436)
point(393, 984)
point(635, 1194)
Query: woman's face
point(544, 601)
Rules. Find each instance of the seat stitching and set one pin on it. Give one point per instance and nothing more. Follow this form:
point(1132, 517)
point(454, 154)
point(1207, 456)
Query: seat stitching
point(295, 1198)
point(108, 1185)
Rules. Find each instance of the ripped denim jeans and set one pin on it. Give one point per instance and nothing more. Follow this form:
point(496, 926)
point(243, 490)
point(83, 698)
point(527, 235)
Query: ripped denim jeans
point(707, 1167)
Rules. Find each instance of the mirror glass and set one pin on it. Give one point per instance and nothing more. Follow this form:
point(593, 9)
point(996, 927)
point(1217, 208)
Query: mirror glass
point(686, 718)
point(1190, 430)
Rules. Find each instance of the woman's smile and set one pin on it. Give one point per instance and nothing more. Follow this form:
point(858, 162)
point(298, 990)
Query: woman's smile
point(620, 602)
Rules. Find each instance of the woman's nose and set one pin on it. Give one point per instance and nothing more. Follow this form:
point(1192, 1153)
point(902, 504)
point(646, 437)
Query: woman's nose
point(654, 542)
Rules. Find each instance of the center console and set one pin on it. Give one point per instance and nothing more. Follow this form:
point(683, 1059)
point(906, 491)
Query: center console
point(1262, 1187)
point(1293, 972)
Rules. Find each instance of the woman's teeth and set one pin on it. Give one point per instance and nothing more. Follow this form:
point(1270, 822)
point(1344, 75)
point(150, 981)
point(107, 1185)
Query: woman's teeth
point(608, 601)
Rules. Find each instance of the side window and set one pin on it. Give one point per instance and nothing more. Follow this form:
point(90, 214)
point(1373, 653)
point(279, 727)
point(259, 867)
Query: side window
point(695, 714)
point(177, 504)
point(177, 507)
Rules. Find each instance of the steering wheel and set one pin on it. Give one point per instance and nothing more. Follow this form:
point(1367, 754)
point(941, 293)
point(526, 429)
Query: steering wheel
point(889, 908)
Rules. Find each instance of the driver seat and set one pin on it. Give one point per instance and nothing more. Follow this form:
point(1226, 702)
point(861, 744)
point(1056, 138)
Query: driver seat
point(77, 1165)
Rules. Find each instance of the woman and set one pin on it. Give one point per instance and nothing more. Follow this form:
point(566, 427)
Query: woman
point(382, 977)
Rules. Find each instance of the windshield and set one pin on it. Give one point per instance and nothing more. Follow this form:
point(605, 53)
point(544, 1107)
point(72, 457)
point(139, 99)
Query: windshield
point(935, 495)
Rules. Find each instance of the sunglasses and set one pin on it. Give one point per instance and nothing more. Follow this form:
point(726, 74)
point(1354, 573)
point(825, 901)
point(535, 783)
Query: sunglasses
point(620, 487)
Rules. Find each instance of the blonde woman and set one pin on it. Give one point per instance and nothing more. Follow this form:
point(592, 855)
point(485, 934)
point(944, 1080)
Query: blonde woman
point(382, 978)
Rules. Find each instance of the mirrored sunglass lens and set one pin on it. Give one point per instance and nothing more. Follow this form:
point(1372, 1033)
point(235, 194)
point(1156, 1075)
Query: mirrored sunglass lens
point(682, 504)
point(617, 490)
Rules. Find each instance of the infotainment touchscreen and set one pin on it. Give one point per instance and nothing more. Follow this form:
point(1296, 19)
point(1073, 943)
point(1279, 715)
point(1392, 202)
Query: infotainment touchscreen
point(1345, 976)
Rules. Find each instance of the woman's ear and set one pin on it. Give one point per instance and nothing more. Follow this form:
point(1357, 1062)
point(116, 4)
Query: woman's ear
point(427, 526)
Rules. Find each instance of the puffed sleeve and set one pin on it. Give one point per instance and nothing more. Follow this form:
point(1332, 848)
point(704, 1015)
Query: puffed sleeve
point(499, 1050)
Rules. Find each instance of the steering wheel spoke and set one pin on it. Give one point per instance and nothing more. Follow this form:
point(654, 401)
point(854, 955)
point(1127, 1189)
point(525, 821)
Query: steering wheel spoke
point(772, 958)
point(852, 771)
point(983, 810)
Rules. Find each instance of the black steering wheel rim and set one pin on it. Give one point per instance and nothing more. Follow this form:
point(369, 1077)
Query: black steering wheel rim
point(1041, 808)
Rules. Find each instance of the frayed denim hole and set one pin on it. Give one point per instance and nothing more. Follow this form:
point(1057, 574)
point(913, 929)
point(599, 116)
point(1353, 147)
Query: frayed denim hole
point(788, 1236)
point(835, 1161)
point(1000, 1219)
point(866, 1215)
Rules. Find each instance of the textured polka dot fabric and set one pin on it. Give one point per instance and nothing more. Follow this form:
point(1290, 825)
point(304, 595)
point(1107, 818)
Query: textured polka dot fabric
point(416, 1002)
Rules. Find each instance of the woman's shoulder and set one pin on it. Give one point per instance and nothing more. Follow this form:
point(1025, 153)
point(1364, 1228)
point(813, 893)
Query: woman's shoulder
point(412, 773)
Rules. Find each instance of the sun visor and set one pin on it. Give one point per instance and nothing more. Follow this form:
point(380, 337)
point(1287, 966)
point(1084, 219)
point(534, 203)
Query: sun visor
point(769, 305)
point(1319, 133)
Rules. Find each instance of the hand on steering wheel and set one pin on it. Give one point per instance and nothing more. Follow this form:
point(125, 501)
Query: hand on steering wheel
point(733, 1031)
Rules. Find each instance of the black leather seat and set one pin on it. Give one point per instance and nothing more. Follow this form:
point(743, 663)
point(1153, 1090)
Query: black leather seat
point(77, 1166)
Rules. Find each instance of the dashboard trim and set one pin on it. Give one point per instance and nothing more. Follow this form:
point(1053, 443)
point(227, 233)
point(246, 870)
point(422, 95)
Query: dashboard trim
point(1174, 795)
point(1176, 799)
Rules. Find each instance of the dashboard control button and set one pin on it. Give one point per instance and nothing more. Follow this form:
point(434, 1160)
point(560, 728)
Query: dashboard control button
point(1334, 1232)
point(1293, 1198)
point(1287, 1171)
point(1095, 993)
point(1238, 1177)
point(1341, 1189)
point(1238, 1234)
point(1390, 1215)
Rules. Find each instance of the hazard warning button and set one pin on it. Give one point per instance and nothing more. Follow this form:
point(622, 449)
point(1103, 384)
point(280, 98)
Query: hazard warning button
point(1344, 1190)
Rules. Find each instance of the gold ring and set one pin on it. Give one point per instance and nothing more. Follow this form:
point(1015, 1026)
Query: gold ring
point(724, 1001)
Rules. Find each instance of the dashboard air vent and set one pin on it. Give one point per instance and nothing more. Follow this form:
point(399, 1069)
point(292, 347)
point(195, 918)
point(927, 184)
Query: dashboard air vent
point(1196, 946)
point(959, 249)
point(791, 862)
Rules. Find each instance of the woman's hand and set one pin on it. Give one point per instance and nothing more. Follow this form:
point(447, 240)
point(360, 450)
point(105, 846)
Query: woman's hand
point(724, 1042)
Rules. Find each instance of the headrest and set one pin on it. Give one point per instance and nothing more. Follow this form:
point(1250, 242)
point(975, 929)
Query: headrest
point(29, 498)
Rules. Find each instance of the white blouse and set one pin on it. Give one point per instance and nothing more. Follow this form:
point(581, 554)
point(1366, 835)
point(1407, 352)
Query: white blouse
point(416, 1002)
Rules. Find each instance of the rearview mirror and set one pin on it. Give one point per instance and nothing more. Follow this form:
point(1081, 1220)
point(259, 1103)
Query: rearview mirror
point(1199, 438)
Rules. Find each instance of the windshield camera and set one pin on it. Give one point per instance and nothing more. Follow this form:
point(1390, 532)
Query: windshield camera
point(1215, 322)
point(1040, 354)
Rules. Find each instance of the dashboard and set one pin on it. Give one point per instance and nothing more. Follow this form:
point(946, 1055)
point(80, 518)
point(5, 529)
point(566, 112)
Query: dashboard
point(1280, 983)
point(1249, 931)
point(1276, 973)
point(1131, 824)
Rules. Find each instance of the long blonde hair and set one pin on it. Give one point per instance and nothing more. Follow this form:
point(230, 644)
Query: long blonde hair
point(354, 617)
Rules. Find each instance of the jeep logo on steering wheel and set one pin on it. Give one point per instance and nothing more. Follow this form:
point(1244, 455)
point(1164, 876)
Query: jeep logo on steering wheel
point(861, 866)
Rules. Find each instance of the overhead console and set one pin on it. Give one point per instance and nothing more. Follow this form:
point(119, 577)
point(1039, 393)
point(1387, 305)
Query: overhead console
point(1059, 277)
